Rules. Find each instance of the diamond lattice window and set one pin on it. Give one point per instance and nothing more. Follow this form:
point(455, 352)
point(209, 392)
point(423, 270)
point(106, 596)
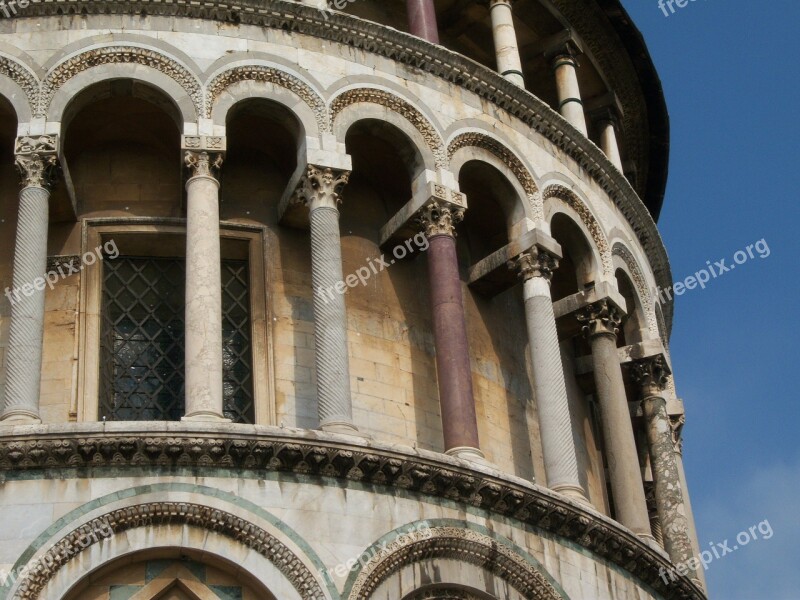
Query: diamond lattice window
point(142, 340)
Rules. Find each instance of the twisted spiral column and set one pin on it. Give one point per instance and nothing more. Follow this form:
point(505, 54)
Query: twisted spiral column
point(601, 321)
point(24, 359)
point(555, 423)
point(320, 190)
point(203, 291)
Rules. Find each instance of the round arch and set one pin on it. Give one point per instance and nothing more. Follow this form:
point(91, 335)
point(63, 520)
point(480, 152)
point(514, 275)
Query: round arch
point(623, 259)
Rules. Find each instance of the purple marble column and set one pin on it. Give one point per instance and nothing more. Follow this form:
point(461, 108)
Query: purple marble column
point(422, 20)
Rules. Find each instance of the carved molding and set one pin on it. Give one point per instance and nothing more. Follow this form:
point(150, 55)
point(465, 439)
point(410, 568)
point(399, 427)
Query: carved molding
point(71, 67)
point(82, 452)
point(587, 218)
point(170, 513)
point(402, 108)
point(464, 545)
point(509, 159)
point(269, 75)
point(22, 77)
point(641, 286)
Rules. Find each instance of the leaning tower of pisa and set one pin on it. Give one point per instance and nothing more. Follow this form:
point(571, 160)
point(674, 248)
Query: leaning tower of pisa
point(347, 302)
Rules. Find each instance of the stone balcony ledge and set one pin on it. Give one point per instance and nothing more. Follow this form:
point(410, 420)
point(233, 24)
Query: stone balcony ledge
point(228, 450)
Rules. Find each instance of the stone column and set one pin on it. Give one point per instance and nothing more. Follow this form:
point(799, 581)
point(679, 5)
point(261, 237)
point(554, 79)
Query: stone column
point(608, 125)
point(570, 104)
point(506, 48)
point(320, 190)
point(459, 420)
point(36, 159)
point(600, 323)
point(422, 20)
point(203, 290)
point(651, 376)
point(321, 4)
point(555, 424)
point(676, 425)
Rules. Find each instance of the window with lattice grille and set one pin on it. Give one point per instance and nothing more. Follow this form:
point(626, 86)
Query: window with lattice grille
point(142, 340)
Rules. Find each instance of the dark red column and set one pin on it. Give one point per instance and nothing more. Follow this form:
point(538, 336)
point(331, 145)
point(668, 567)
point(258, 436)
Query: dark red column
point(422, 20)
point(459, 420)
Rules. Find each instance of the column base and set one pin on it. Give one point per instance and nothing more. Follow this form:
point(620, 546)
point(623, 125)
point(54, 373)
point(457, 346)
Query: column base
point(20, 417)
point(468, 453)
point(205, 417)
point(573, 492)
point(341, 427)
point(650, 541)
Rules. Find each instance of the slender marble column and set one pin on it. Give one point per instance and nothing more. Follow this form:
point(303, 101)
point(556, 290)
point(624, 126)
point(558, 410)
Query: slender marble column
point(320, 190)
point(555, 424)
point(608, 141)
point(203, 290)
point(26, 335)
point(506, 48)
point(459, 420)
point(570, 104)
point(676, 425)
point(651, 376)
point(422, 20)
point(600, 322)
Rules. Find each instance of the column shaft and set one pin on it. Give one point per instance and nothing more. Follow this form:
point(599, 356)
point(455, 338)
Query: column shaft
point(552, 403)
point(459, 420)
point(330, 322)
point(668, 489)
point(608, 143)
point(570, 104)
point(203, 294)
point(506, 48)
point(24, 359)
point(422, 20)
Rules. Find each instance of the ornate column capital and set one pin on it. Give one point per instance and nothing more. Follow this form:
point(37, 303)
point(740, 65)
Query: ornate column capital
point(651, 374)
point(536, 262)
point(676, 423)
point(203, 163)
point(600, 318)
point(321, 187)
point(440, 218)
point(36, 159)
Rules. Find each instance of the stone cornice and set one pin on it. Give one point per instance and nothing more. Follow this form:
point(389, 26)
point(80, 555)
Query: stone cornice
point(79, 449)
point(417, 53)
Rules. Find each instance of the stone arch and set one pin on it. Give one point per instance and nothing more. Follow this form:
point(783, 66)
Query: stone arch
point(422, 127)
point(68, 77)
point(445, 540)
point(628, 263)
point(448, 593)
point(270, 81)
point(590, 222)
point(20, 86)
point(151, 515)
point(489, 146)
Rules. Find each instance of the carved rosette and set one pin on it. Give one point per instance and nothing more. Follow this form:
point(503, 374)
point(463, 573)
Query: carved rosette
point(536, 262)
point(202, 163)
point(600, 318)
point(650, 374)
point(36, 159)
point(440, 218)
point(321, 187)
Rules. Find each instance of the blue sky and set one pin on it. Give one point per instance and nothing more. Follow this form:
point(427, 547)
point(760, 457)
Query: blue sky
point(731, 75)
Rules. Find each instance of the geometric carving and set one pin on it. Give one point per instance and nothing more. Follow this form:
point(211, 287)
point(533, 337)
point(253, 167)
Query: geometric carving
point(268, 75)
point(22, 77)
point(68, 69)
point(508, 158)
point(401, 107)
point(566, 195)
point(170, 513)
point(465, 545)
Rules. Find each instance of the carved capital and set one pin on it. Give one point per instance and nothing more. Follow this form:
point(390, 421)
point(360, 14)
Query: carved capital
point(536, 262)
point(202, 163)
point(321, 187)
point(36, 159)
point(650, 374)
point(440, 218)
point(676, 423)
point(599, 318)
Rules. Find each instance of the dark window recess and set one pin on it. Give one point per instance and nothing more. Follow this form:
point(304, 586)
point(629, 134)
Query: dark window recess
point(142, 340)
